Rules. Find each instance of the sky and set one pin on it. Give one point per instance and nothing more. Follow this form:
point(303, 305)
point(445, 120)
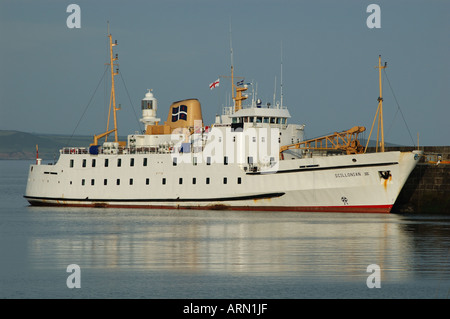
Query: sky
point(51, 76)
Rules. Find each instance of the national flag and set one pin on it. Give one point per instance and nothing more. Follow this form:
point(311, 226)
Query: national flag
point(214, 84)
point(241, 82)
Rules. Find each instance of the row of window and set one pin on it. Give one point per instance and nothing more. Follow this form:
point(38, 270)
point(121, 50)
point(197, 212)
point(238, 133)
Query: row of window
point(163, 181)
point(260, 119)
point(145, 161)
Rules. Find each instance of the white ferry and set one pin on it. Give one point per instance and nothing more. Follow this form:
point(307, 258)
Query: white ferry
point(251, 158)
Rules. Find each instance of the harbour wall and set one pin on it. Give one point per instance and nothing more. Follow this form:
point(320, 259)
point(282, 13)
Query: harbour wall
point(427, 189)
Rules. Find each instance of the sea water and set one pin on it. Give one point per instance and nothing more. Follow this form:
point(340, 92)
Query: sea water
point(154, 254)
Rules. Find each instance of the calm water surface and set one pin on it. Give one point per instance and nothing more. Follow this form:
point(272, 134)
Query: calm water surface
point(214, 254)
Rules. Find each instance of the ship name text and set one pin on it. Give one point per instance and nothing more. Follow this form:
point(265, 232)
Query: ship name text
point(351, 174)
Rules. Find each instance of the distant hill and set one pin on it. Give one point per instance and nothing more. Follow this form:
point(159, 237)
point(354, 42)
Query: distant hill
point(22, 145)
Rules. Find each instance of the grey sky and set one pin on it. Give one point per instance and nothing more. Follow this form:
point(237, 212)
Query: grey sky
point(177, 47)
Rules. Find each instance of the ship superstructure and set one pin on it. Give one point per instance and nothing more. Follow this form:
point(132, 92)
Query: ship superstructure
point(251, 158)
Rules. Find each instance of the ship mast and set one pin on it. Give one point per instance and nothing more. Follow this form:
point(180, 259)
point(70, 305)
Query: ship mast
point(112, 100)
point(379, 113)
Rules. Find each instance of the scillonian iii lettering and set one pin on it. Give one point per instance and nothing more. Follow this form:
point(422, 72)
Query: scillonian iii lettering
point(354, 174)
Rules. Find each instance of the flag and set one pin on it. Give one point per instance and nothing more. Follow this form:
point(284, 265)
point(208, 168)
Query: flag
point(179, 113)
point(214, 84)
point(241, 82)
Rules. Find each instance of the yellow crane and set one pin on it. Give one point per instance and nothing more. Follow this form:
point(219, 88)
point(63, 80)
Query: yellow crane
point(97, 137)
point(346, 141)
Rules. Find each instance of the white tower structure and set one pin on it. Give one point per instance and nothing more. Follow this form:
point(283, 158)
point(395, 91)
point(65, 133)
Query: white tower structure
point(149, 106)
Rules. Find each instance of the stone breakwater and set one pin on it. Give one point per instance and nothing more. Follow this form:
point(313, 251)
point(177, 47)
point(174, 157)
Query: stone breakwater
point(427, 189)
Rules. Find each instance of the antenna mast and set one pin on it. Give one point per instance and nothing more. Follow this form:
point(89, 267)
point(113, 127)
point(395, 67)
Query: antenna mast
point(281, 80)
point(232, 68)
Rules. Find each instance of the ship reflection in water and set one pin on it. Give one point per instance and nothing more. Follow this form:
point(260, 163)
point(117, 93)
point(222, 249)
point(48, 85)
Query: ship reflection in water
point(320, 246)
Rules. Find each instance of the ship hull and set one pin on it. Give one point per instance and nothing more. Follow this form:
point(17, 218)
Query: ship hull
point(360, 183)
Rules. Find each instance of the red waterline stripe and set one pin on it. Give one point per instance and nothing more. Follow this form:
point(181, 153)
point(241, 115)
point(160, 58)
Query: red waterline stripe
point(330, 209)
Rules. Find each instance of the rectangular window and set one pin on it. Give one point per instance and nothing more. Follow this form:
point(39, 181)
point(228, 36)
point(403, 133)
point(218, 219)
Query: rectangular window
point(118, 181)
point(208, 160)
point(194, 161)
point(194, 180)
point(164, 181)
point(119, 162)
point(131, 181)
point(239, 180)
point(71, 163)
point(105, 182)
point(180, 181)
point(131, 162)
point(147, 181)
point(92, 182)
point(106, 162)
point(93, 162)
point(83, 182)
point(144, 162)
point(250, 160)
point(174, 163)
point(224, 180)
point(207, 180)
point(84, 163)
point(225, 160)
